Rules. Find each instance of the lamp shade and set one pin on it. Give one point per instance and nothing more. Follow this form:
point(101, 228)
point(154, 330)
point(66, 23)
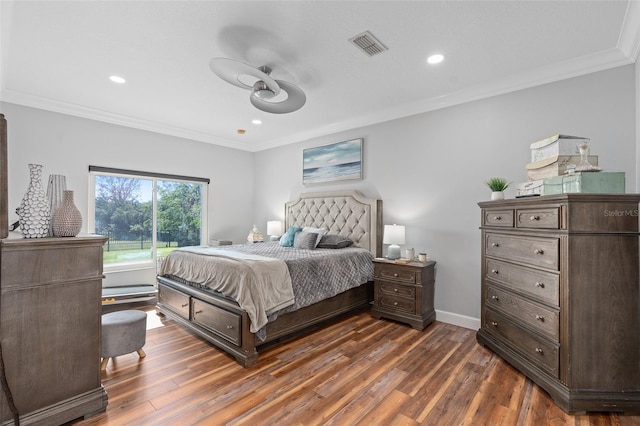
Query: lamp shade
point(393, 234)
point(274, 227)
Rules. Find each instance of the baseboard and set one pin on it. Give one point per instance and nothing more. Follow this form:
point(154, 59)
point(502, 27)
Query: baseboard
point(457, 319)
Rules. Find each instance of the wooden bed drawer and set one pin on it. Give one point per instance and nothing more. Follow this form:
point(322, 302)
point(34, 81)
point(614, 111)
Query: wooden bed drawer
point(502, 218)
point(174, 300)
point(539, 318)
point(220, 321)
point(538, 218)
point(538, 350)
point(543, 286)
point(542, 252)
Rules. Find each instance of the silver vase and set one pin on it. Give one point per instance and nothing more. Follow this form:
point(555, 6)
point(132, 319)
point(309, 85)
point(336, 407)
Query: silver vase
point(67, 220)
point(34, 212)
point(57, 184)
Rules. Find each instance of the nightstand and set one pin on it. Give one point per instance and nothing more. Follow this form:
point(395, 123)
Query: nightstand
point(404, 292)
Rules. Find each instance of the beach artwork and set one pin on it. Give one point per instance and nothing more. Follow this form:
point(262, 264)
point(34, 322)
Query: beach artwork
point(338, 161)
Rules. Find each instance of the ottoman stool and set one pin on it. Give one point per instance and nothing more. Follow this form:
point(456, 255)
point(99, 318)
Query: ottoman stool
point(123, 332)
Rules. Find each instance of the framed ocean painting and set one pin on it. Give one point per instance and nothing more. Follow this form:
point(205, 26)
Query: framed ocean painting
point(338, 161)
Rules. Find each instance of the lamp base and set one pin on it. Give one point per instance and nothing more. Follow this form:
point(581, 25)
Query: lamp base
point(393, 252)
point(274, 238)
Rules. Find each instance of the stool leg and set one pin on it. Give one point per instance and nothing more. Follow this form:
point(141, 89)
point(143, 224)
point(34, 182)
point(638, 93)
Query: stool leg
point(103, 364)
point(141, 353)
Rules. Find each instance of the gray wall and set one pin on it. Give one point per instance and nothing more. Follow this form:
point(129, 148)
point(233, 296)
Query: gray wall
point(67, 145)
point(429, 169)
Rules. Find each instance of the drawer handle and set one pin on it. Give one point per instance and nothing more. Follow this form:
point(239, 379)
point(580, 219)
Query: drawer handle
point(199, 312)
point(494, 271)
point(539, 351)
point(496, 298)
point(185, 305)
point(539, 285)
point(495, 244)
point(229, 327)
point(538, 251)
point(534, 218)
point(395, 289)
point(493, 323)
point(540, 318)
point(395, 303)
point(497, 218)
point(395, 275)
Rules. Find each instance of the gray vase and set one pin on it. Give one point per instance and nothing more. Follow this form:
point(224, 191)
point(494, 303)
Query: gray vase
point(57, 185)
point(67, 220)
point(34, 212)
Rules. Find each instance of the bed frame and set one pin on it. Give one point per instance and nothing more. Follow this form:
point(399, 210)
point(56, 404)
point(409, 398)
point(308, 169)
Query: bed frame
point(222, 322)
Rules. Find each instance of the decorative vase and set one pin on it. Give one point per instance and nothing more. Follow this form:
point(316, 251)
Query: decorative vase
point(67, 220)
point(497, 195)
point(34, 212)
point(57, 185)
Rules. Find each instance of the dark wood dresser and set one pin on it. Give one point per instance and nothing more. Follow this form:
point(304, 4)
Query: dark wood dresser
point(50, 319)
point(404, 292)
point(560, 295)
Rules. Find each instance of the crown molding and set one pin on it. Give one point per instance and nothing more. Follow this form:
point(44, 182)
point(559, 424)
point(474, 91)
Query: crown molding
point(629, 40)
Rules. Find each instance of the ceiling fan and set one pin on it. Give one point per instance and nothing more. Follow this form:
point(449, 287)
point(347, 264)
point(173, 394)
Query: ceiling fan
point(265, 91)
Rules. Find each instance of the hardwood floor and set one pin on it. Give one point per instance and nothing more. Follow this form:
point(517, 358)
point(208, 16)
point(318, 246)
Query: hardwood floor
point(357, 370)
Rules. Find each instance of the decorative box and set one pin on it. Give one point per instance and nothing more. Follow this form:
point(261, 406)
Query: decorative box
point(555, 166)
point(586, 182)
point(556, 145)
point(530, 188)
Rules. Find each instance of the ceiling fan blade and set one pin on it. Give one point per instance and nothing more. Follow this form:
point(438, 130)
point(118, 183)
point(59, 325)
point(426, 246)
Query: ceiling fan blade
point(295, 100)
point(229, 70)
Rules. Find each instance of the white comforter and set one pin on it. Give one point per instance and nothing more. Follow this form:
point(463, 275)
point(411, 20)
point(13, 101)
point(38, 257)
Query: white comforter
point(261, 285)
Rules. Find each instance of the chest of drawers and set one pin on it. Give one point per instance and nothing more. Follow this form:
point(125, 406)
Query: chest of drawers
point(560, 295)
point(404, 292)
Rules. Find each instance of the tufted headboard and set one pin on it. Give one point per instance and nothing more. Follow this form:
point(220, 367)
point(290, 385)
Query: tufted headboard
point(347, 213)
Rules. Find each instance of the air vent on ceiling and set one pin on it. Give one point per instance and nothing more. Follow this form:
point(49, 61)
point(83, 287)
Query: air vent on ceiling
point(368, 43)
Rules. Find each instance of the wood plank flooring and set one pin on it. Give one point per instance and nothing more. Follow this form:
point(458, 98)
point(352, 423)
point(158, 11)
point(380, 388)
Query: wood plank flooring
point(355, 371)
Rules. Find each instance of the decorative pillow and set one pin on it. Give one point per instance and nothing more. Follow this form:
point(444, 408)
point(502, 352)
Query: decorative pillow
point(332, 241)
point(319, 231)
point(305, 240)
point(287, 239)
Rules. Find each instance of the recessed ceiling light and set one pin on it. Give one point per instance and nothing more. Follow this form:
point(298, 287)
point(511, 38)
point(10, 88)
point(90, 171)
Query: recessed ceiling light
point(241, 131)
point(435, 59)
point(256, 122)
point(117, 79)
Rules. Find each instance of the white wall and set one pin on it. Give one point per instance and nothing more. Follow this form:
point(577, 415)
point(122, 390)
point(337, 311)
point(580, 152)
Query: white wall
point(429, 169)
point(67, 145)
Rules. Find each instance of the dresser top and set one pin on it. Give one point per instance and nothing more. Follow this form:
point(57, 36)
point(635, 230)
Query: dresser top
point(563, 198)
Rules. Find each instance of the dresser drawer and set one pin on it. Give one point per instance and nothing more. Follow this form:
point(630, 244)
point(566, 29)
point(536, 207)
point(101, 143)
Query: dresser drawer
point(396, 290)
point(399, 304)
point(537, 317)
point(174, 299)
point(542, 252)
point(222, 322)
point(503, 218)
point(538, 218)
point(538, 351)
point(395, 273)
point(542, 285)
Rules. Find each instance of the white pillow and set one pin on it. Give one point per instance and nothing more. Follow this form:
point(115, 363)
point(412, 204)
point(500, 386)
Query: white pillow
point(319, 231)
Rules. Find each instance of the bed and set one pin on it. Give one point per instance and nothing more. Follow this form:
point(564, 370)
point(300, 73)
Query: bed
point(222, 320)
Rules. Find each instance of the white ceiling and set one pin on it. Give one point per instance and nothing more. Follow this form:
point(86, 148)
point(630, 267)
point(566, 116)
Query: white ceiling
point(58, 55)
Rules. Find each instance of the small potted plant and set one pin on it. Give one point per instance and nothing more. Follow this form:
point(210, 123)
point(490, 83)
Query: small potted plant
point(497, 186)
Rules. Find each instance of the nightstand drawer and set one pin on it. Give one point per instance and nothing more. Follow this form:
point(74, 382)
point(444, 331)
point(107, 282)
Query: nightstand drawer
point(539, 351)
point(395, 273)
point(542, 285)
point(537, 317)
point(502, 218)
point(397, 304)
point(542, 252)
point(538, 218)
point(174, 299)
point(397, 290)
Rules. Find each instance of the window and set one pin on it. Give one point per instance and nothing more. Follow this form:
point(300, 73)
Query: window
point(145, 215)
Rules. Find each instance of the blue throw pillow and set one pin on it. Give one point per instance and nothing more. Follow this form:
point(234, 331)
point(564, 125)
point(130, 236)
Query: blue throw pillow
point(288, 238)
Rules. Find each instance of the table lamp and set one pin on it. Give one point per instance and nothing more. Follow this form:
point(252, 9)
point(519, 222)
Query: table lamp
point(274, 228)
point(394, 235)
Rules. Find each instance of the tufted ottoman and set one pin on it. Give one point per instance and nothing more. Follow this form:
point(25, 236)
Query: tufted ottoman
point(123, 332)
